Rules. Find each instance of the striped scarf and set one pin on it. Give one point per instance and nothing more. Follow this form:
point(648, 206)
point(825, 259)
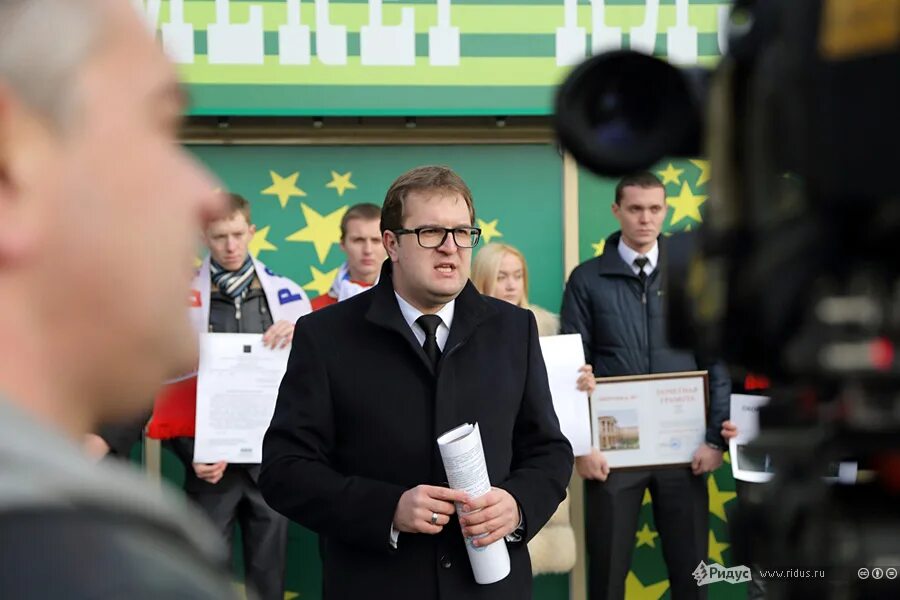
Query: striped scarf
point(232, 283)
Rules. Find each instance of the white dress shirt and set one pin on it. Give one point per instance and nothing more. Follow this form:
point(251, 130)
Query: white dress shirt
point(411, 313)
point(628, 255)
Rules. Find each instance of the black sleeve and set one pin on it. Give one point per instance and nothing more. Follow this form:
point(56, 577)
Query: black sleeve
point(81, 555)
point(120, 437)
point(575, 315)
point(719, 401)
point(542, 456)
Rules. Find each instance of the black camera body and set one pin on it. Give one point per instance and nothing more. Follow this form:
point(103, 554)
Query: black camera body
point(795, 273)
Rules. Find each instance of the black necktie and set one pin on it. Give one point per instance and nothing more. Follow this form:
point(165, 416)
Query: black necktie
point(430, 324)
point(640, 262)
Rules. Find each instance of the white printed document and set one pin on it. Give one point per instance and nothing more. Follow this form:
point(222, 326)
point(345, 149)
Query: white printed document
point(237, 385)
point(563, 356)
point(463, 457)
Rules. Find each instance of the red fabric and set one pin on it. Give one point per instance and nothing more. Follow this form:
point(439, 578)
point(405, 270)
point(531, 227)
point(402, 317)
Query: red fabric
point(754, 382)
point(175, 410)
point(322, 301)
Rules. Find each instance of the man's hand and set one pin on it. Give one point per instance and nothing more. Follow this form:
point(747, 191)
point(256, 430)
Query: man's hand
point(417, 505)
point(95, 446)
point(210, 473)
point(495, 514)
point(279, 335)
point(586, 381)
point(729, 430)
point(706, 460)
point(593, 465)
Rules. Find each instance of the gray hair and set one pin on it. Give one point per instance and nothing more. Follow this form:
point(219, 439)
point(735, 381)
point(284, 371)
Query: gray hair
point(42, 45)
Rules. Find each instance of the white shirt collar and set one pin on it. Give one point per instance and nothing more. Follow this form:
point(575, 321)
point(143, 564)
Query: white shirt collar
point(411, 313)
point(628, 255)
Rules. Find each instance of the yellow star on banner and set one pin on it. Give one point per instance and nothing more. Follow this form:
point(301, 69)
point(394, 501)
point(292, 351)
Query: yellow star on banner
point(715, 549)
point(598, 247)
point(635, 590)
point(321, 282)
point(686, 204)
point(703, 165)
point(260, 243)
point(647, 499)
point(670, 174)
point(489, 230)
point(646, 536)
point(283, 187)
point(291, 595)
point(727, 457)
point(341, 183)
point(717, 498)
point(323, 232)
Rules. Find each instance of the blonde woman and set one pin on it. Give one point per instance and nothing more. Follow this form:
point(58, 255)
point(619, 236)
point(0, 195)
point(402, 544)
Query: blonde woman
point(500, 271)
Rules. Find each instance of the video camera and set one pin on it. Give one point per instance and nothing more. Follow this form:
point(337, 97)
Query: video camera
point(795, 273)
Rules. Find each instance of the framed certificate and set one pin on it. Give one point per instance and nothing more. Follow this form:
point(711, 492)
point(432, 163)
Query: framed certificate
point(650, 420)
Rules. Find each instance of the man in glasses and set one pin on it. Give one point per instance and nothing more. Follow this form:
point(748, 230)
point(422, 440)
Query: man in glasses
point(372, 383)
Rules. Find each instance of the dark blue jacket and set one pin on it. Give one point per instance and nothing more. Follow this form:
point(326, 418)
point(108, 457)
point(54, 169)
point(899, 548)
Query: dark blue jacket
point(623, 327)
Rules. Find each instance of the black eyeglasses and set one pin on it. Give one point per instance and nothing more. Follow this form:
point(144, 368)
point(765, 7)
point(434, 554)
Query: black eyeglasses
point(434, 237)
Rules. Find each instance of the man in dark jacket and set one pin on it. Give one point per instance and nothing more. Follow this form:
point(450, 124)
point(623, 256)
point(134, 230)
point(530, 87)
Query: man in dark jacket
point(615, 302)
point(237, 294)
point(373, 381)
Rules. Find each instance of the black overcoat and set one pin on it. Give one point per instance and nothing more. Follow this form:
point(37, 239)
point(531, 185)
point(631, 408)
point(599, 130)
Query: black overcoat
point(358, 413)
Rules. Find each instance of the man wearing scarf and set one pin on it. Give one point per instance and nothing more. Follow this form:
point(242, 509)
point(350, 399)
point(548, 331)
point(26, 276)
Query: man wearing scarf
point(361, 242)
point(235, 293)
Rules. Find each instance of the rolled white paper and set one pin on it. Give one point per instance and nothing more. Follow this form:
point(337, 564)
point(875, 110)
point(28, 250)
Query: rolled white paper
point(463, 457)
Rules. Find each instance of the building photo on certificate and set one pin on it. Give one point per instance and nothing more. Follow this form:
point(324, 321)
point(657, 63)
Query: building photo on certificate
point(618, 430)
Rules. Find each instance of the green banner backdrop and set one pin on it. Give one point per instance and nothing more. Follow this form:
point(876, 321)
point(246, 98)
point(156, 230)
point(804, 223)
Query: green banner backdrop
point(417, 57)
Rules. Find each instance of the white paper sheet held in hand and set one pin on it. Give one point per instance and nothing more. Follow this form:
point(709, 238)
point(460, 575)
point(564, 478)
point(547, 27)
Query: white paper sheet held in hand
point(747, 465)
point(563, 356)
point(463, 457)
point(750, 464)
point(237, 385)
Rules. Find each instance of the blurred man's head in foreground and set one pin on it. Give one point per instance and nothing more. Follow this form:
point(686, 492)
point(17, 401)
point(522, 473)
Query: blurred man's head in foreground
point(99, 211)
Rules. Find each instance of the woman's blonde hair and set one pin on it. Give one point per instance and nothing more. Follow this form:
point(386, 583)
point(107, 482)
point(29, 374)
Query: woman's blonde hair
point(486, 267)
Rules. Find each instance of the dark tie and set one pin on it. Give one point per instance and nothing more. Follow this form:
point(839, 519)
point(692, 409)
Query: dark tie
point(640, 262)
point(430, 324)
